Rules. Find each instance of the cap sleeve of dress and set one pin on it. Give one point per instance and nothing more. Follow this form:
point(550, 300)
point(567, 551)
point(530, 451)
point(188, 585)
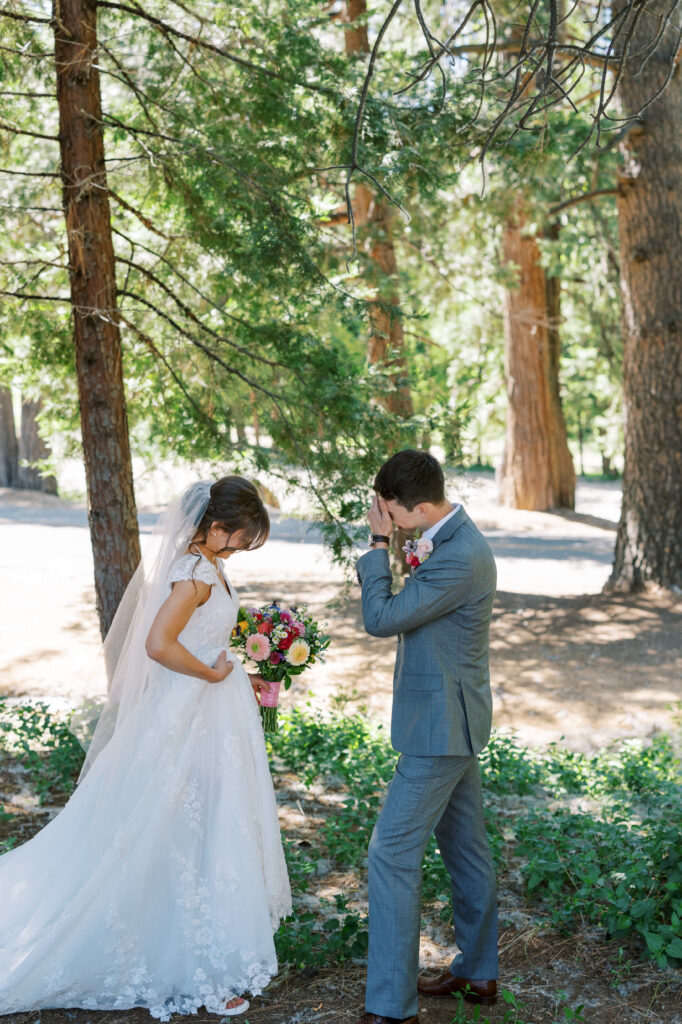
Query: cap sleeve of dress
point(192, 567)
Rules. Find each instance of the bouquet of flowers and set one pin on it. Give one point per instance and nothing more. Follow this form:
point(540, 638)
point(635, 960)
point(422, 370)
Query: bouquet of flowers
point(282, 642)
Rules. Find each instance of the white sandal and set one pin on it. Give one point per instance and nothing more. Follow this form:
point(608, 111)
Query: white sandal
point(234, 1011)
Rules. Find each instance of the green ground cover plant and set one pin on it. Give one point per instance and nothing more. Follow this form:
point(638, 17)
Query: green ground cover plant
point(596, 840)
point(40, 742)
point(615, 862)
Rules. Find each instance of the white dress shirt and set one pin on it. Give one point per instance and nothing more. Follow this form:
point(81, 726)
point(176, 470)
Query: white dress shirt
point(433, 530)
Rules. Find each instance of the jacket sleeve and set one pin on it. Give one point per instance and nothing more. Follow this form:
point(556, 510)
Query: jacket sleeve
point(432, 592)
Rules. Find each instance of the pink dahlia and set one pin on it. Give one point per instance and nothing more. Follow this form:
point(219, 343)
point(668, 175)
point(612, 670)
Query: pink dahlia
point(257, 647)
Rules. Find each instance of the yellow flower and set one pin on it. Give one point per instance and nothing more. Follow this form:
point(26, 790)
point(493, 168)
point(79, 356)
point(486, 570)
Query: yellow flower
point(243, 625)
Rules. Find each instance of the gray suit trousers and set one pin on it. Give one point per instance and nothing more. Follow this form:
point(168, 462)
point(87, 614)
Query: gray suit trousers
point(427, 794)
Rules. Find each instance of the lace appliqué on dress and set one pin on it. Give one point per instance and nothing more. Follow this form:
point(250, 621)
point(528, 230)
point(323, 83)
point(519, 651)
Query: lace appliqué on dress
point(193, 567)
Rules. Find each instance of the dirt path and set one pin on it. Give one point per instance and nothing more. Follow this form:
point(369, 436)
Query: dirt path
point(566, 660)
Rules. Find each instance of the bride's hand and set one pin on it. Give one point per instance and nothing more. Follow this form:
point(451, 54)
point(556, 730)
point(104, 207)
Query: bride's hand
point(221, 669)
point(259, 685)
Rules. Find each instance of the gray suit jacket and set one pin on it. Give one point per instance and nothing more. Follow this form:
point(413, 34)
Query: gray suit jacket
point(441, 686)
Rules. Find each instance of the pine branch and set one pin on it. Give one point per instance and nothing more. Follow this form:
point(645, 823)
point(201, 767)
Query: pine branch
point(129, 81)
point(158, 355)
point(194, 318)
point(255, 385)
point(143, 219)
point(221, 51)
point(197, 291)
point(548, 67)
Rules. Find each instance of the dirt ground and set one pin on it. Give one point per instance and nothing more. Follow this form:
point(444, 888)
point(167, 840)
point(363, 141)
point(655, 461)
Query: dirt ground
point(567, 661)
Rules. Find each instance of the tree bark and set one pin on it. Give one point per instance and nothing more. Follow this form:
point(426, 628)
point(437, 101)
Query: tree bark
point(9, 450)
point(108, 468)
point(372, 213)
point(537, 470)
point(33, 449)
point(373, 216)
point(649, 541)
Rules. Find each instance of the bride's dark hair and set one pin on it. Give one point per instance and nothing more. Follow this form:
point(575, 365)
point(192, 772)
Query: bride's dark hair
point(235, 504)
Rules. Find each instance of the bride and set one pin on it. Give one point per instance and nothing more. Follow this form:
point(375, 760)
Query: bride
point(161, 882)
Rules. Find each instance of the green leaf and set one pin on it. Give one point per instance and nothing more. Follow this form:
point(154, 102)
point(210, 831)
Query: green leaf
point(674, 948)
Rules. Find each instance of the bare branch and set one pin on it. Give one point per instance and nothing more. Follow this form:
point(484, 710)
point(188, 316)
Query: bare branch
point(31, 95)
point(41, 209)
point(29, 174)
point(25, 17)
point(9, 127)
point(40, 298)
point(584, 197)
point(547, 68)
point(33, 263)
point(27, 53)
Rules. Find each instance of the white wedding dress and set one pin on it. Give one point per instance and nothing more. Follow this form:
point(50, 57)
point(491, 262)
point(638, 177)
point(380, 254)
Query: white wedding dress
point(161, 882)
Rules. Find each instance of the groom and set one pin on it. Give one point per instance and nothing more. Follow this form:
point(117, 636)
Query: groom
point(441, 720)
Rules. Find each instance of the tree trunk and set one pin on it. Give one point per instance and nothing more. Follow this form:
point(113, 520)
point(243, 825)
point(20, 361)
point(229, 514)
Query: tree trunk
point(649, 541)
point(33, 449)
point(9, 451)
point(537, 469)
point(373, 216)
point(108, 468)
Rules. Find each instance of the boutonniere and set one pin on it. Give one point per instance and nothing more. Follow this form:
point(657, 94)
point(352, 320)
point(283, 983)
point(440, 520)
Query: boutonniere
point(417, 551)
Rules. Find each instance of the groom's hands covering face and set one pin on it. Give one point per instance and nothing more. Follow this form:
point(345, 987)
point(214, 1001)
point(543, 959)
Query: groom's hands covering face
point(379, 518)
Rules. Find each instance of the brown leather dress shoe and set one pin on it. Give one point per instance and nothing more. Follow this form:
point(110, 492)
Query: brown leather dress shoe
point(447, 984)
point(375, 1018)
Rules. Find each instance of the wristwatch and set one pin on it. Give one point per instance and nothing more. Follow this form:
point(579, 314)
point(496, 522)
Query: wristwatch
point(378, 538)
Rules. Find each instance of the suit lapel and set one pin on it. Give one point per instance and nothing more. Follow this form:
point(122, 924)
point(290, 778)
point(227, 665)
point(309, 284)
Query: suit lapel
point(449, 529)
point(446, 532)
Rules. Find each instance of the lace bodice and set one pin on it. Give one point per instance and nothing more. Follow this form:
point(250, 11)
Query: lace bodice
point(210, 628)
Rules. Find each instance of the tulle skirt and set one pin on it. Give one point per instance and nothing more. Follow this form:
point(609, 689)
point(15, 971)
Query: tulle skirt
point(161, 882)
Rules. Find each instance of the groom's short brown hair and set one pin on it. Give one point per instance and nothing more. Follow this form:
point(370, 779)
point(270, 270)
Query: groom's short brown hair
point(410, 477)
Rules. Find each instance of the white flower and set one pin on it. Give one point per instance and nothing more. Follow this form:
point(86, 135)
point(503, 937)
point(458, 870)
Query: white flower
point(298, 653)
